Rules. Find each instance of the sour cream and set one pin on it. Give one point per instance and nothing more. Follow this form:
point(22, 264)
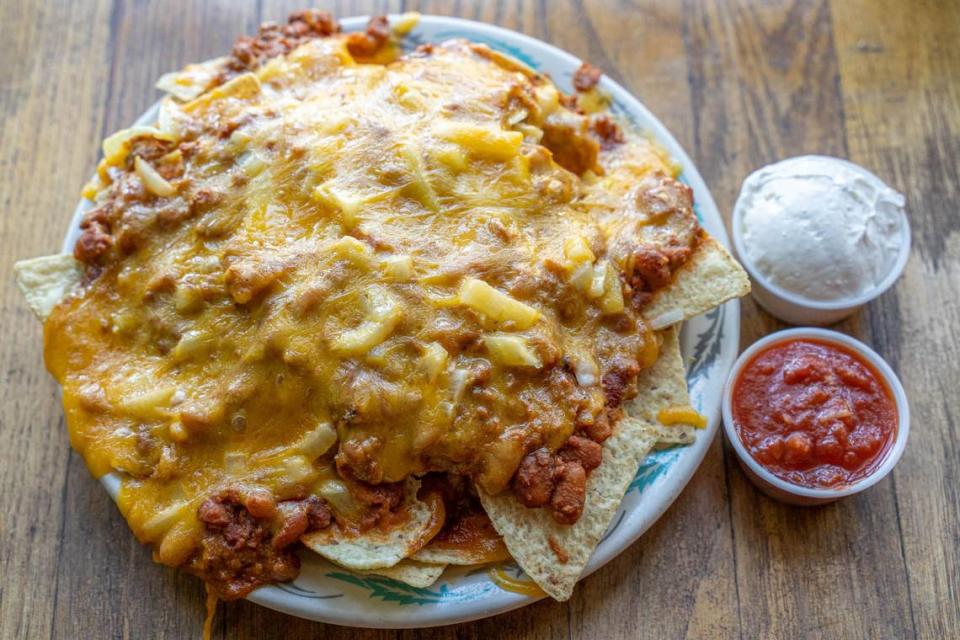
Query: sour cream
point(821, 228)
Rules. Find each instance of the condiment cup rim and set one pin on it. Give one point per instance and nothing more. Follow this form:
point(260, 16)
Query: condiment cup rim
point(824, 305)
point(880, 366)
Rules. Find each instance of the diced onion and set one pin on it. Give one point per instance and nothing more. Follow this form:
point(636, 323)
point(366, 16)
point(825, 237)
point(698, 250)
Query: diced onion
point(599, 281)
point(513, 351)
point(496, 305)
point(191, 343)
point(577, 251)
point(352, 249)
point(434, 360)
point(148, 405)
point(486, 142)
point(153, 181)
point(458, 386)
point(398, 267)
point(582, 277)
point(252, 163)
point(160, 522)
point(450, 156)
point(612, 300)
point(297, 470)
point(169, 117)
point(337, 495)
point(317, 442)
point(383, 315)
point(517, 116)
point(586, 371)
point(363, 338)
point(348, 204)
point(419, 187)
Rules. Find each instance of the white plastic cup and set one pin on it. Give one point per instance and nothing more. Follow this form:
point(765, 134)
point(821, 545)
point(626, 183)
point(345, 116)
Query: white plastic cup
point(797, 309)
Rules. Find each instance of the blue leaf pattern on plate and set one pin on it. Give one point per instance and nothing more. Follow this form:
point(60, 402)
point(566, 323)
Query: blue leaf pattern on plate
point(707, 348)
point(300, 592)
point(390, 590)
point(654, 466)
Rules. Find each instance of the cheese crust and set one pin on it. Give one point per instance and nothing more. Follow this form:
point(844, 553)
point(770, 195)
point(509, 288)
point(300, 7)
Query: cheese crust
point(339, 269)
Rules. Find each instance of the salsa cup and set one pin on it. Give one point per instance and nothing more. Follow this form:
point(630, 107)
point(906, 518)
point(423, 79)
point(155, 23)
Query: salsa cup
point(789, 492)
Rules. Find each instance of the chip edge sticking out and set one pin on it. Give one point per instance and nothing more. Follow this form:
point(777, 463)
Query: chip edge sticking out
point(416, 574)
point(710, 278)
point(375, 549)
point(44, 281)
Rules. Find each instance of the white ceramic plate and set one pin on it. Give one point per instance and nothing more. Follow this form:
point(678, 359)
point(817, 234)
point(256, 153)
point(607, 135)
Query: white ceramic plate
point(327, 593)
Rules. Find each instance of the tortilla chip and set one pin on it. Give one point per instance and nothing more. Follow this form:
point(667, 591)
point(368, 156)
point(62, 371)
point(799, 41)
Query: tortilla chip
point(379, 548)
point(532, 534)
point(415, 574)
point(674, 434)
point(193, 80)
point(669, 390)
point(44, 281)
point(708, 279)
point(467, 538)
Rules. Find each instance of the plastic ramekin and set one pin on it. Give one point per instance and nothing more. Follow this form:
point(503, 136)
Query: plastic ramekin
point(786, 491)
point(796, 309)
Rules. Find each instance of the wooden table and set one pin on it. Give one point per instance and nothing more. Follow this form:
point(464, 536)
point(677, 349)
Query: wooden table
point(740, 83)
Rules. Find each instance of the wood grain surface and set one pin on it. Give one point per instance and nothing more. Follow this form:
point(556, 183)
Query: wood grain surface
point(740, 83)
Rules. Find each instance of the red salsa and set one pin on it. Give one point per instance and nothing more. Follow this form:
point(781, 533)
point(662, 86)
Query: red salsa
point(814, 413)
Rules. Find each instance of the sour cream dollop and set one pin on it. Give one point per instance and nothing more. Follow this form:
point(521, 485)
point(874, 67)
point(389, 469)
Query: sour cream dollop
point(820, 227)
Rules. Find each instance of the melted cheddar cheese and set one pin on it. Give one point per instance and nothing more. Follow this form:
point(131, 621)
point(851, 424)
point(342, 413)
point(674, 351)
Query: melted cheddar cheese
point(327, 268)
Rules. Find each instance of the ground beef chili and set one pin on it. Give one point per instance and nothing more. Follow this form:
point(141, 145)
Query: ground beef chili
point(814, 413)
point(558, 479)
point(607, 131)
point(272, 40)
point(378, 501)
point(466, 526)
point(249, 539)
point(536, 476)
point(586, 77)
point(569, 493)
point(95, 239)
point(369, 42)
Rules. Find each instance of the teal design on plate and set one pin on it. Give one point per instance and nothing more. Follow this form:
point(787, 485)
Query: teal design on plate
point(654, 466)
point(394, 591)
point(300, 592)
point(707, 348)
